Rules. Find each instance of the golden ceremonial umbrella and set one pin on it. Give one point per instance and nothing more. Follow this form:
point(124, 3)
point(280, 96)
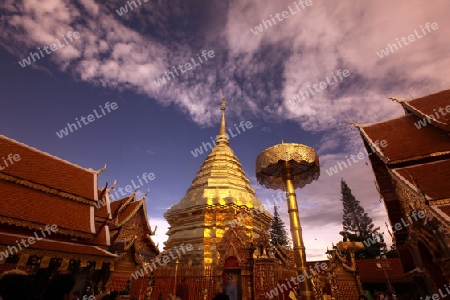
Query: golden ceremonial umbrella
point(287, 167)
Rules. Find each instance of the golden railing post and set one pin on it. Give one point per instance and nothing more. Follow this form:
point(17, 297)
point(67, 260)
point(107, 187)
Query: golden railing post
point(175, 281)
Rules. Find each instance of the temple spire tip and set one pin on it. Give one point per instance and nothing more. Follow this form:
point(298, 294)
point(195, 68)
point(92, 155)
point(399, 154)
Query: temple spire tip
point(222, 137)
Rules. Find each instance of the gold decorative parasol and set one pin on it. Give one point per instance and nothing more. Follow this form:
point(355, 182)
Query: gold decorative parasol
point(271, 163)
point(287, 167)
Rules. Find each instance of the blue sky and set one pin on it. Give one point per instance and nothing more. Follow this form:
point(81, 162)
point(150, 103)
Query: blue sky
point(155, 128)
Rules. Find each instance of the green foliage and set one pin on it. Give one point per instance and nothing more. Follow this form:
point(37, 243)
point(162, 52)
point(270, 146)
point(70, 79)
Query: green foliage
point(277, 231)
point(358, 226)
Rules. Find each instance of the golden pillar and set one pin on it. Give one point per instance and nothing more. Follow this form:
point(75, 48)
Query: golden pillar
point(287, 167)
point(296, 230)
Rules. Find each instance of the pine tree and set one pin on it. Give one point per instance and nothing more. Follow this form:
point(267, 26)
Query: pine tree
point(358, 226)
point(277, 231)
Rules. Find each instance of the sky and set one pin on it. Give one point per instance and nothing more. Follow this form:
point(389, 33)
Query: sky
point(345, 58)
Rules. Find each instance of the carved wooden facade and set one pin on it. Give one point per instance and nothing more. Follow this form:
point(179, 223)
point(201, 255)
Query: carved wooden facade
point(413, 175)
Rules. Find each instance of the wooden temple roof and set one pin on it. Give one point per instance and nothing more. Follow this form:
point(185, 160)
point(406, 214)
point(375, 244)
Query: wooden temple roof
point(429, 106)
point(369, 272)
point(41, 189)
point(31, 208)
point(57, 248)
point(406, 143)
point(417, 156)
point(48, 170)
point(423, 177)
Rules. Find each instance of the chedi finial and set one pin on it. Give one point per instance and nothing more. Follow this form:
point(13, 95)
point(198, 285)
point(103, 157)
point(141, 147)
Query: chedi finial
point(222, 137)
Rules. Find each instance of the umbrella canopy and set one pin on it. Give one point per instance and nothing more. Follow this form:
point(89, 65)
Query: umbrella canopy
point(271, 165)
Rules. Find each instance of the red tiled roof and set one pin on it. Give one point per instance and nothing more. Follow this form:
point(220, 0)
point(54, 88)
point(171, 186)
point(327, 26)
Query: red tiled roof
point(57, 247)
point(429, 106)
point(120, 204)
point(40, 167)
point(445, 209)
point(425, 176)
point(25, 204)
point(369, 272)
point(404, 141)
point(101, 210)
point(101, 234)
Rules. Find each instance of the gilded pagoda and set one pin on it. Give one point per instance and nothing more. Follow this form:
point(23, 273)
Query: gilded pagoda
point(228, 228)
point(219, 193)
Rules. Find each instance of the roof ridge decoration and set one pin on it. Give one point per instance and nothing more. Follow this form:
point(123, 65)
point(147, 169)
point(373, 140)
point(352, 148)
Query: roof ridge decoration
point(49, 155)
point(102, 192)
point(45, 189)
point(352, 123)
point(36, 225)
point(101, 170)
point(396, 99)
point(123, 206)
point(130, 215)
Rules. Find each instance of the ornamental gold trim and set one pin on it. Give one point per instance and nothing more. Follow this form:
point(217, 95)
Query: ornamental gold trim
point(64, 255)
point(439, 202)
point(434, 154)
point(35, 225)
point(130, 215)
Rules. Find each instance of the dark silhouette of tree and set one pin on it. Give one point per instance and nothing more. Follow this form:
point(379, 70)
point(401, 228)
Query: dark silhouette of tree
point(358, 226)
point(277, 231)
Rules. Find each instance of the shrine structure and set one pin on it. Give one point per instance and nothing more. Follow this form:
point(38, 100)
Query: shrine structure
point(413, 177)
point(55, 220)
point(229, 230)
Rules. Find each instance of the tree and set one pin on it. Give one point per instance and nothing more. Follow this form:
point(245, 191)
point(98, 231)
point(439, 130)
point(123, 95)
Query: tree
point(277, 231)
point(358, 226)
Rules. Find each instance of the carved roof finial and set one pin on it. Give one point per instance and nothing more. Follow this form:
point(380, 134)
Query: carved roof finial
point(395, 99)
point(352, 123)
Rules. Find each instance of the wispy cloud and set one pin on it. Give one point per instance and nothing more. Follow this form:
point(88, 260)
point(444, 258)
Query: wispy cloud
point(264, 70)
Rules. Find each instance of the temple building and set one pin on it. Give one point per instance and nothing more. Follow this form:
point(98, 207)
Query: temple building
point(413, 177)
point(228, 228)
point(55, 220)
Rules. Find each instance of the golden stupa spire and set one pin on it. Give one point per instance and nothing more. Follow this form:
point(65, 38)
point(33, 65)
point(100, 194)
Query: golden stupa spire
point(222, 138)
